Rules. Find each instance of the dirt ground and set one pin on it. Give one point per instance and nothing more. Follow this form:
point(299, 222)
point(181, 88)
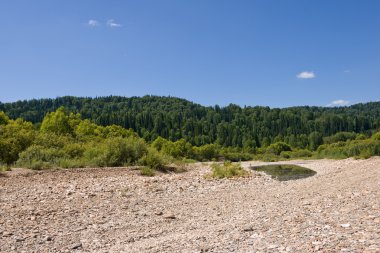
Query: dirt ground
point(117, 210)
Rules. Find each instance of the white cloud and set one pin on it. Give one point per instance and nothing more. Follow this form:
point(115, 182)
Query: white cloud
point(306, 75)
point(347, 71)
point(111, 23)
point(93, 23)
point(339, 102)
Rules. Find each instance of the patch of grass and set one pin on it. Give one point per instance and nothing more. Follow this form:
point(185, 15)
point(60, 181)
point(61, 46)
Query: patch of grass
point(227, 170)
point(39, 165)
point(146, 171)
point(71, 163)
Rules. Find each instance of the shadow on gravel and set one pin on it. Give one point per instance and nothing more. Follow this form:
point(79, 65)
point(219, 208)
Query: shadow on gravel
point(285, 172)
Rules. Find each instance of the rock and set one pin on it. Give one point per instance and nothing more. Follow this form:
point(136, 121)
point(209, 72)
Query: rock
point(20, 239)
point(5, 233)
point(169, 216)
point(345, 225)
point(159, 213)
point(76, 246)
point(248, 229)
point(48, 238)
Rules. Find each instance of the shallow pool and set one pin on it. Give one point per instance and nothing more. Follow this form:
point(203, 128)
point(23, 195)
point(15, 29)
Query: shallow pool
point(284, 172)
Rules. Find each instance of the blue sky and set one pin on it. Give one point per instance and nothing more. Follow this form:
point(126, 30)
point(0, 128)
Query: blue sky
point(276, 53)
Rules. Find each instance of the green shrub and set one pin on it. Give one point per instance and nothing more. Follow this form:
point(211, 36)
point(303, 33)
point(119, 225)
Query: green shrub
point(356, 148)
point(376, 136)
point(71, 163)
point(178, 149)
point(52, 140)
point(227, 170)
point(340, 137)
point(300, 153)
point(145, 171)
point(206, 152)
point(57, 122)
point(38, 157)
point(116, 152)
point(277, 148)
point(74, 150)
point(39, 165)
point(4, 167)
point(286, 154)
point(15, 137)
point(154, 160)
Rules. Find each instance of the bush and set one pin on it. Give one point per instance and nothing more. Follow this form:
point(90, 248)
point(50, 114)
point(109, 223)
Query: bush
point(277, 148)
point(116, 152)
point(235, 154)
point(301, 153)
point(4, 167)
point(376, 136)
point(178, 149)
point(357, 148)
point(74, 150)
point(39, 165)
point(206, 152)
point(145, 171)
point(38, 157)
point(71, 163)
point(15, 137)
point(340, 137)
point(154, 160)
point(227, 170)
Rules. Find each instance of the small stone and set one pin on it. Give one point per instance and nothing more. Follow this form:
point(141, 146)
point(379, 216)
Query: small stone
point(76, 246)
point(159, 213)
point(346, 225)
point(20, 239)
point(5, 233)
point(248, 229)
point(169, 216)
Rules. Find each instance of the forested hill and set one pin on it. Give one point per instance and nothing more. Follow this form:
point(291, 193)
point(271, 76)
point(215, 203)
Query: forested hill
point(175, 118)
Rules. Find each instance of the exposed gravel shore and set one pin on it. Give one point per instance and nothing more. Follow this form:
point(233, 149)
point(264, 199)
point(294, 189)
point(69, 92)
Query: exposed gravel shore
point(117, 210)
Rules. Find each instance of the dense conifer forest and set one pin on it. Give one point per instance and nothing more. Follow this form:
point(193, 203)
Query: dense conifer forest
point(173, 118)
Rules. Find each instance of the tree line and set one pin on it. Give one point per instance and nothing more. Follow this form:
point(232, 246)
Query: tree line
point(230, 126)
point(64, 140)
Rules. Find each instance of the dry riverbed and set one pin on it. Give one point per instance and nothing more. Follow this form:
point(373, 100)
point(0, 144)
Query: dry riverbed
point(117, 210)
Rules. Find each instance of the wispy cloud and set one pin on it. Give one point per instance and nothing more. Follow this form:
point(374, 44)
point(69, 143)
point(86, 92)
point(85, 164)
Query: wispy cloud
point(347, 71)
point(93, 23)
point(112, 23)
point(306, 75)
point(339, 102)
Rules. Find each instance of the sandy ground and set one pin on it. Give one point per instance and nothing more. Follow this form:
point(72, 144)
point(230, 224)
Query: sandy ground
point(117, 210)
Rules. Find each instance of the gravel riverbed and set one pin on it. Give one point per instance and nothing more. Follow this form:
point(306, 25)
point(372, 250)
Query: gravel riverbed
point(117, 210)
